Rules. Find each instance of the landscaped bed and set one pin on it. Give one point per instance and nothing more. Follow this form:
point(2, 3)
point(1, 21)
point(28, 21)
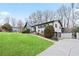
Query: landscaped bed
point(18, 44)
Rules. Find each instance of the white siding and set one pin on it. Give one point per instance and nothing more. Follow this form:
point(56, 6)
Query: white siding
point(78, 36)
point(57, 29)
point(40, 30)
point(37, 29)
point(50, 23)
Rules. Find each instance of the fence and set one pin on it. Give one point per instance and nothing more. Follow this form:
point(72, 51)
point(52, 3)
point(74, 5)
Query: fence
point(77, 35)
point(66, 35)
point(69, 36)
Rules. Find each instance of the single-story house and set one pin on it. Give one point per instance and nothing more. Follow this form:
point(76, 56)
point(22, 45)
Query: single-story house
point(39, 28)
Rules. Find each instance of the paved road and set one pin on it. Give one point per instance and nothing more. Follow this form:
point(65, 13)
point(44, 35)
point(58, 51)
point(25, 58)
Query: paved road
point(65, 47)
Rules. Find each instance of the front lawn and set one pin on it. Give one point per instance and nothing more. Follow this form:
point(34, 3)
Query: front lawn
point(17, 44)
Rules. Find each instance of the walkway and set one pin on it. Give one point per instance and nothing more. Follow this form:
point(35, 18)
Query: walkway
point(65, 47)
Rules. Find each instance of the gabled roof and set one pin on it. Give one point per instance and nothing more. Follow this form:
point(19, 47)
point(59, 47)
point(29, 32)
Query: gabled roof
point(49, 22)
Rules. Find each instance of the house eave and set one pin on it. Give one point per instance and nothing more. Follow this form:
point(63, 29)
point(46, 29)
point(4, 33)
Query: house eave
point(48, 23)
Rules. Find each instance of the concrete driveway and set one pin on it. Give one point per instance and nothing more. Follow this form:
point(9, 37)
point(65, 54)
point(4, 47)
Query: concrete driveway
point(65, 47)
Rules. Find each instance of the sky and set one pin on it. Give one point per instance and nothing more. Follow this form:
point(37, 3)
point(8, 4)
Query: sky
point(22, 11)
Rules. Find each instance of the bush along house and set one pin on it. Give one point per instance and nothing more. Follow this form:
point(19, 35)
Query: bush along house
point(39, 28)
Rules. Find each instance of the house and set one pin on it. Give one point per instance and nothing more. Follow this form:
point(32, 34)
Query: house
point(15, 29)
point(39, 28)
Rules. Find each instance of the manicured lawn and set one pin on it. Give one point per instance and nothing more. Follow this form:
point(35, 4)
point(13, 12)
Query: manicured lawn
point(17, 44)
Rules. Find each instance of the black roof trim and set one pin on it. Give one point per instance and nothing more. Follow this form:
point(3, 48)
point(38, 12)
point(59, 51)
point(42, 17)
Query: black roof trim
point(48, 22)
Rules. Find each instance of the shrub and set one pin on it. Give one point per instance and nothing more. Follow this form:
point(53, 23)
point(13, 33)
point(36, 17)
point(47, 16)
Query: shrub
point(76, 29)
point(26, 31)
point(49, 31)
point(6, 27)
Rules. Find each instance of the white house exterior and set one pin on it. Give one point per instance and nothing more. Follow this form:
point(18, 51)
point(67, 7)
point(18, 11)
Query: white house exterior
point(57, 27)
point(39, 28)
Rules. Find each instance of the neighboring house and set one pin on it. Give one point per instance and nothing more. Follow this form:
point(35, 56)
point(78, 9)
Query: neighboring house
point(39, 28)
point(15, 29)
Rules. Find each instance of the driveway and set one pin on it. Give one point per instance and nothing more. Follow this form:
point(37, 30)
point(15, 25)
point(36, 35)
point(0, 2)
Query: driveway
point(65, 47)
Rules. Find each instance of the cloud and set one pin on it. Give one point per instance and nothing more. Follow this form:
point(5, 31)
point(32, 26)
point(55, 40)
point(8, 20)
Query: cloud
point(4, 13)
point(2, 21)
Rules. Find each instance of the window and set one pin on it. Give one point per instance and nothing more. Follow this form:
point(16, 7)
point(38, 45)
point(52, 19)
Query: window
point(60, 27)
point(56, 25)
point(41, 31)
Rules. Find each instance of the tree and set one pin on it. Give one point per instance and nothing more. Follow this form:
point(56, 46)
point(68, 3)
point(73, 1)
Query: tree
point(36, 17)
point(39, 16)
point(76, 29)
point(25, 26)
point(13, 22)
point(73, 15)
point(49, 31)
point(25, 29)
point(20, 25)
point(67, 15)
point(64, 15)
point(46, 15)
point(6, 27)
point(52, 15)
point(30, 20)
point(33, 17)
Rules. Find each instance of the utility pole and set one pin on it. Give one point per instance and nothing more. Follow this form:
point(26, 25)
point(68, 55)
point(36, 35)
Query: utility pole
point(73, 19)
point(72, 6)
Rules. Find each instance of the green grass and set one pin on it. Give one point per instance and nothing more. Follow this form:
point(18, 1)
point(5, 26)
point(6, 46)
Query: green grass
point(17, 44)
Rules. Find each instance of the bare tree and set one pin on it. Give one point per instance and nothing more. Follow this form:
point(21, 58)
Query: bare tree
point(39, 16)
point(67, 15)
point(31, 20)
point(20, 25)
point(73, 15)
point(13, 22)
point(36, 17)
point(33, 17)
point(60, 16)
point(46, 15)
point(64, 15)
point(51, 15)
